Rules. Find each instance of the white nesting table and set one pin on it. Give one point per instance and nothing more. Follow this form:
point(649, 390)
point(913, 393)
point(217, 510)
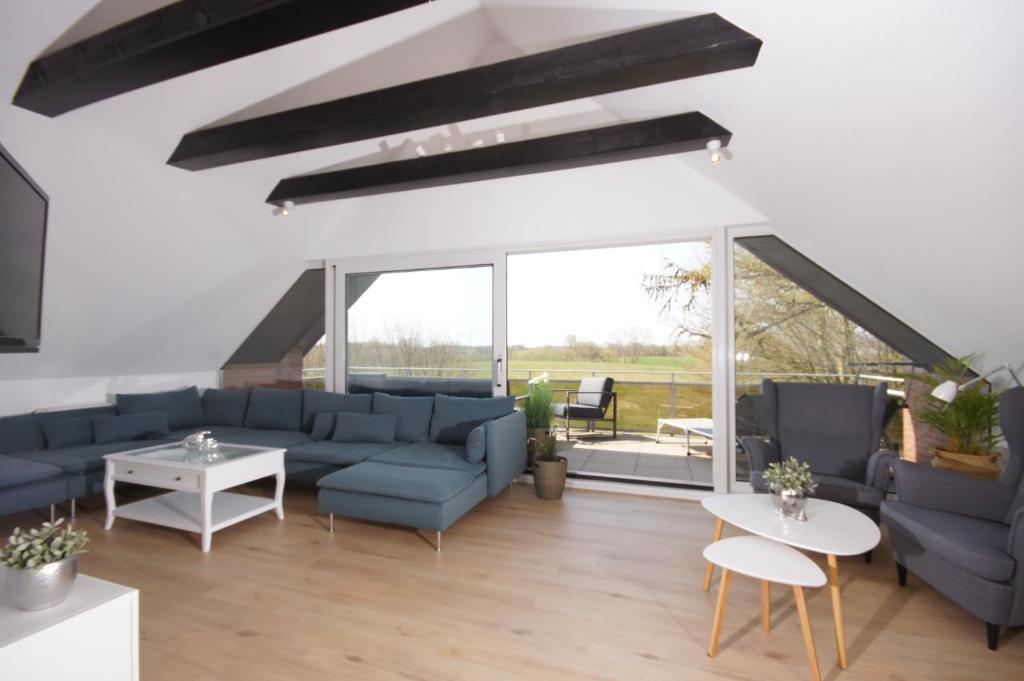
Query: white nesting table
point(92, 636)
point(768, 561)
point(830, 528)
point(197, 503)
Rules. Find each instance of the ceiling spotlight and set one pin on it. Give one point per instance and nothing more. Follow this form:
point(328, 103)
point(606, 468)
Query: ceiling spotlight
point(448, 146)
point(715, 150)
point(420, 151)
point(282, 210)
point(478, 142)
point(499, 136)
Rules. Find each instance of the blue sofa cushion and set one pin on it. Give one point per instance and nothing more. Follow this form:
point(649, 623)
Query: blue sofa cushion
point(323, 426)
point(430, 455)
point(274, 409)
point(183, 407)
point(318, 401)
point(413, 415)
point(22, 433)
point(224, 407)
point(476, 444)
point(258, 437)
point(433, 486)
point(15, 471)
point(364, 427)
point(70, 432)
point(455, 417)
point(974, 545)
point(149, 425)
point(335, 453)
point(82, 459)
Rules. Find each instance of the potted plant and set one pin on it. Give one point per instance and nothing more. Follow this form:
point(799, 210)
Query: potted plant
point(790, 482)
point(539, 411)
point(549, 469)
point(42, 564)
point(969, 422)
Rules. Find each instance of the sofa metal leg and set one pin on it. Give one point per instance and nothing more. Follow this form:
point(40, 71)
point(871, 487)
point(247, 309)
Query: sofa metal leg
point(993, 635)
point(53, 513)
point(332, 523)
point(437, 546)
point(73, 510)
point(901, 574)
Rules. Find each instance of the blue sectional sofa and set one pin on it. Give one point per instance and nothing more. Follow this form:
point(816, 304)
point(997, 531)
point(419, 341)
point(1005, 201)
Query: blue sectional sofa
point(416, 460)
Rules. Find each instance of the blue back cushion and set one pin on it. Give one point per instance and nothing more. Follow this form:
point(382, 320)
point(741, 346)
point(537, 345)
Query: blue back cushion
point(319, 401)
point(183, 407)
point(476, 444)
point(224, 407)
point(22, 433)
point(455, 417)
point(71, 432)
point(274, 409)
point(413, 415)
point(143, 425)
point(323, 426)
point(364, 427)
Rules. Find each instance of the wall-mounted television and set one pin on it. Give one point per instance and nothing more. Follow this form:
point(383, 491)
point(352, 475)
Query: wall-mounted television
point(23, 211)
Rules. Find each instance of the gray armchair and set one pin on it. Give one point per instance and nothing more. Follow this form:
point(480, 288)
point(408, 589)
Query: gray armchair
point(833, 427)
point(963, 536)
point(590, 403)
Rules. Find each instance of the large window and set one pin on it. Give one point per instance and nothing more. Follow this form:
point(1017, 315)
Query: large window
point(404, 327)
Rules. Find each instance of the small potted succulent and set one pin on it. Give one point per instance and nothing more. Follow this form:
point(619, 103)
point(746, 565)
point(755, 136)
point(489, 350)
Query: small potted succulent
point(790, 482)
point(539, 410)
point(42, 564)
point(549, 470)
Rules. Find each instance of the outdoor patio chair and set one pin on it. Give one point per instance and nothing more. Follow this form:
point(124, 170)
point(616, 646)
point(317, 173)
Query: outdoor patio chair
point(590, 403)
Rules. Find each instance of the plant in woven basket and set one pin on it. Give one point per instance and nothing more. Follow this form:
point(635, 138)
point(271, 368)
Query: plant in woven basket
point(38, 547)
point(546, 449)
point(790, 474)
point(970, 422)
point(538, 406)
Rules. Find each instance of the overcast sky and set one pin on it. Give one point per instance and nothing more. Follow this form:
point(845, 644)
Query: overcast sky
point(595, 294)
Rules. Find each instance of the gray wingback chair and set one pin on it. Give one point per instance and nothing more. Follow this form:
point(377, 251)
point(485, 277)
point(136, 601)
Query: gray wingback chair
point(963, 536)
point(590, 403)
point(833, 427)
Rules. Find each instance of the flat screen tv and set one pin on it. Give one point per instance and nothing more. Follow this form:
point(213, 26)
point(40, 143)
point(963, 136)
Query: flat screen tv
point(23, 209)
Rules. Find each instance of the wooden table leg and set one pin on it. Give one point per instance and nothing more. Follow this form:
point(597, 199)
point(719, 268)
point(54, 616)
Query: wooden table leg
point(766, 605)
point(837, 609)
point(805, 625)
point(709, 572)
point(716, 626)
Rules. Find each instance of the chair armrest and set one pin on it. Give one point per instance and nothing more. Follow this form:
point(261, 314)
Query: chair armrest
point(879, 465)
point(505, 445)
point(944, 490)
point(761, 452)
point(1015, 542)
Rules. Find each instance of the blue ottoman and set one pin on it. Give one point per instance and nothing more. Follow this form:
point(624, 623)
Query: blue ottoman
point(417, 497)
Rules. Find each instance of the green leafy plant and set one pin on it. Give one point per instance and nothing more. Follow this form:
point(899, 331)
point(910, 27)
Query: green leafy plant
point(38, 547)
point(969, 422)
point(790, 474)
point(547, 449)
point(539, 406)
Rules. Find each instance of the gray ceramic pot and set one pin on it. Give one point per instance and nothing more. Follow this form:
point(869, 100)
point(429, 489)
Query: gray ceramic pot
point(43, 588)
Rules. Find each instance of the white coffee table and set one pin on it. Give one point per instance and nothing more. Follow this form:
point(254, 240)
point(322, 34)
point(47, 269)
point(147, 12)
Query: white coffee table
point(197, 503)
point(832, 529)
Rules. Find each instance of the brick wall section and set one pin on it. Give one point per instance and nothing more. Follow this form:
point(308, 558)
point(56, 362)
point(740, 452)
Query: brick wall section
point(285, 374)
point(918, 438)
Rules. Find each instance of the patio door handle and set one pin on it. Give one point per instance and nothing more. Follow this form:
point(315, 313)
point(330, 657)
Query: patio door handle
point(497, 373)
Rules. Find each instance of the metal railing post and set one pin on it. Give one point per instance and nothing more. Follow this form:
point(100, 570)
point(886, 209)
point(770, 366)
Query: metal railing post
point(672, 396)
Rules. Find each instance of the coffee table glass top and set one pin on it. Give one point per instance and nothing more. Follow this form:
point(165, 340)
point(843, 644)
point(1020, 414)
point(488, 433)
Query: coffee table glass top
point(177, 453)
point(830, 528)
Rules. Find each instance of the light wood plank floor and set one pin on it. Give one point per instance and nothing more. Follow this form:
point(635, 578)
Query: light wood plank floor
point(598, 586)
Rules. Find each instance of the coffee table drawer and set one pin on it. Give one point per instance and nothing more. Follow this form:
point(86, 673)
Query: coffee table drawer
point(156, 476)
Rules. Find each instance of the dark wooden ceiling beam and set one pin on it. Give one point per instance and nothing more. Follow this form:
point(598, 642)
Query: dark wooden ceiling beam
point(177, 39)
point(679, 49)
point(624, 142)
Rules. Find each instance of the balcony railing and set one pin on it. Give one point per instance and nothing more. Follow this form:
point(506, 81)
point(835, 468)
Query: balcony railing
point(644, 395)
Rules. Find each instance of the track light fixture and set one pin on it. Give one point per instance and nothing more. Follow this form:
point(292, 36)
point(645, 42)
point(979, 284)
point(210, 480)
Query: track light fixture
point(715, 151)
point(421, 150)
point(282, 210)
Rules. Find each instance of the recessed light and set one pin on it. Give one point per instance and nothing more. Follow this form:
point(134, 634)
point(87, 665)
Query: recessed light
point(715, 151)
point(282, 210)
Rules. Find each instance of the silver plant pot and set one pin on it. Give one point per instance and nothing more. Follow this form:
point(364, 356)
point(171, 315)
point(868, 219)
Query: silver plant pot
point(43, 588)
point(789, 503)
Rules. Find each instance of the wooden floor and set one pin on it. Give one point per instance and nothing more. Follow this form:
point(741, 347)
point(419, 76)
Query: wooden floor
point(597, 586)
